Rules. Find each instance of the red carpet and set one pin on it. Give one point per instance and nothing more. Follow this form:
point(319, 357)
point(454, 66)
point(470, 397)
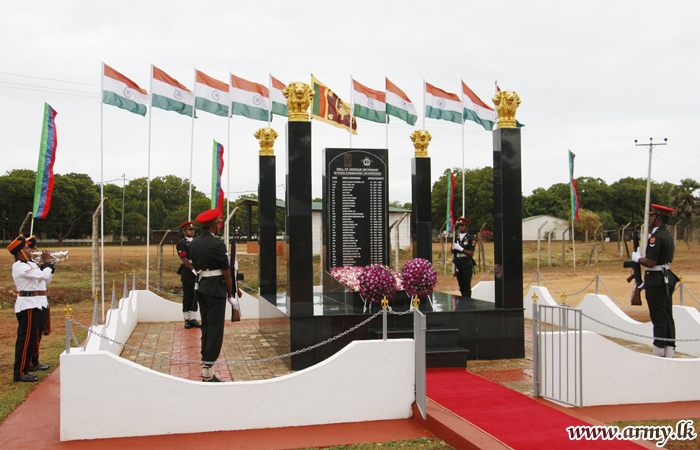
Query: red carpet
point(515, 419)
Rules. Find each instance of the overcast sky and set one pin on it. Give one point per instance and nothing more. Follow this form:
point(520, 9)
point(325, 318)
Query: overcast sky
point(593, 76)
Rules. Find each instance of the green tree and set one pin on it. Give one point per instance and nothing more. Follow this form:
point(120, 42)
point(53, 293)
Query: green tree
point(17, 199)
point(478, 193)
point(74, 200)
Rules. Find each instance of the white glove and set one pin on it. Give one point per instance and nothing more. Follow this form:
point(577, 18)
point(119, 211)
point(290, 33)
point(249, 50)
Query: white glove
point(636, 256)
point(235, 266)
point(234, 302)
point(457, 247)
point(194, 272)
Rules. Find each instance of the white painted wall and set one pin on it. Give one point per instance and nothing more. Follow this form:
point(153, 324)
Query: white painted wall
point(104, 396)
point(600, 307)
point(615, 375)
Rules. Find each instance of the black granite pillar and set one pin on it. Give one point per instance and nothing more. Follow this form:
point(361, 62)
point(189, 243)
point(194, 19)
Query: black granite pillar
point(300, 283)
point(507, 215)
point(421, 230)
point(267, 210)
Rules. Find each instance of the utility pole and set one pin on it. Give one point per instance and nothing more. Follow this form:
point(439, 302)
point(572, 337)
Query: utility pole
point(645, 227)
point(121, 235)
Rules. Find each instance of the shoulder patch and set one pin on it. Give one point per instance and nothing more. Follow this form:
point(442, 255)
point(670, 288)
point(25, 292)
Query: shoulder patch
point(652, 240)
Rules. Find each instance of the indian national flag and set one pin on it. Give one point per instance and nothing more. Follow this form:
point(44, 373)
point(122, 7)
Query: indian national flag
point(442, 105)
point(369, 104)
point(476, 110)
point(210, 94)
point(399, 105)
point(279, 102)
point(248, 99)
point(119, 91)
point(167, 93)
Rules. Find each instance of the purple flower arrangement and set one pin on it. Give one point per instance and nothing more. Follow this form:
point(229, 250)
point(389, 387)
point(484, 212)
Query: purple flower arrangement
point(377, 282)
point(419, 278)
point(347, 275)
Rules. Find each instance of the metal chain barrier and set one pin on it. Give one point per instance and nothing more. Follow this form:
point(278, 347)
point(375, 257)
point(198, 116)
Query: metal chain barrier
point(552, 287)
point(528, 285)
point(638, 335)
point(686, 290)
point(616, 301)
point(156, 289)
point(234, 363)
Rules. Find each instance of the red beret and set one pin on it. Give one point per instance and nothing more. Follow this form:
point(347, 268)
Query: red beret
point(187, 225)
point(17, 245)
point(208, 217)
point(663, 210)
point(463, 220)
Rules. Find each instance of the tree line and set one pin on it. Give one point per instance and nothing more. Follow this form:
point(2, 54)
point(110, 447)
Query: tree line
point(75, 198)
point(615, 204)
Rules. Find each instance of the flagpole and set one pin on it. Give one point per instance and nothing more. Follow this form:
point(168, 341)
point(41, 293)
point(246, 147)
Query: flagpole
point(424, 107)
point(194, 107)
point(269, 99)
point(148, 189)
point(464, 213)
point(352, 106)
point(102, 196)
point(573, 240)
point(31, 227)
point(228, 163)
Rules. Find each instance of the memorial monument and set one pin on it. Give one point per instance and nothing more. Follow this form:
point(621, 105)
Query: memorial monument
point(267, 211)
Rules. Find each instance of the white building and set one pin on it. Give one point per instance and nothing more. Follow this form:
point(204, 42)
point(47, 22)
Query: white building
point(551, 224)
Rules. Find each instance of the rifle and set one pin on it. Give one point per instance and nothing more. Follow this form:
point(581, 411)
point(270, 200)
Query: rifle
point(454, 253)
point(235, 313)
point(636, 275)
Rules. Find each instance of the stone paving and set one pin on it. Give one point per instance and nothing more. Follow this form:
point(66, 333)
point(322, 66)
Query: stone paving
point(247, 340)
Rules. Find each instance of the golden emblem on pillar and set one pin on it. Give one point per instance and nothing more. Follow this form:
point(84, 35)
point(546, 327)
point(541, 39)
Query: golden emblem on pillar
point(267, 137)
point(506, 103)
point(68, 310)
point(299, 96)
point(421, 140)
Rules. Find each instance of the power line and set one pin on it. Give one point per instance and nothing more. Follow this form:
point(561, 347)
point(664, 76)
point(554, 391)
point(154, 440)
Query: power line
point(50, 92)
point(44, 87)
point(48, 79)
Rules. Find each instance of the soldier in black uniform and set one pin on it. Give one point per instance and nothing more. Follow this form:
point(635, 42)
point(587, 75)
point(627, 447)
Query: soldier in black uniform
point(463, 257)
point(214, 287)
point(188, 276)
point(659, 281)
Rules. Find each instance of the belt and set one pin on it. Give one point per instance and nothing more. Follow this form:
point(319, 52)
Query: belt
point(30, 293)
point(210, 273)
point(658, 268)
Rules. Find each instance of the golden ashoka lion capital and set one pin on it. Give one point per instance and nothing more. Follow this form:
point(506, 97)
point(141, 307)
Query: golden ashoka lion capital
point(506, 103)
point(299, 96)
point(421, 140)
point(267, 137)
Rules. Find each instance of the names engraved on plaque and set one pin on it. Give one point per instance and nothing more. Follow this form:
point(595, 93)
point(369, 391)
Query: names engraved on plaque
point(357, 207)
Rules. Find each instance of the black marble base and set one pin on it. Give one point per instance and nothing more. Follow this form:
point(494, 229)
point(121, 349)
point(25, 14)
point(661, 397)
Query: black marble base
point(421, 229)
point(486, 331)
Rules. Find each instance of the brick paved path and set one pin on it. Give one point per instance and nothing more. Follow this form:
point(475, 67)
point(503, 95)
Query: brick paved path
point(247, 340)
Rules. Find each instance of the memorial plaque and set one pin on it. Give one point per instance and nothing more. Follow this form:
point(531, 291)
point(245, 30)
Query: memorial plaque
point(356, 207)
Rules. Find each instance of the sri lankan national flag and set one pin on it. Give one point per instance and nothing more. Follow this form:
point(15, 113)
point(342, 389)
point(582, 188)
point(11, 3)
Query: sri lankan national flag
point(329, 108)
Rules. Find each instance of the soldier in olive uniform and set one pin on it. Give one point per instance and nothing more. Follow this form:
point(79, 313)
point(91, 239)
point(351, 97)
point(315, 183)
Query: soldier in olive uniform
point(659, 281)
point(214, 287)
point(188, 276)
point(463, 257)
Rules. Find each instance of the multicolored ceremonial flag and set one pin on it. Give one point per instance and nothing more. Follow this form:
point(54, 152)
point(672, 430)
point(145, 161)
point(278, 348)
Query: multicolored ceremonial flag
point(217, 193)
point(210, 94)
point(574, 195)
point(450, 198)
point(476, 110)
point(329, 108)
point(248, 99)
point(399, 105)
point(277, 98)
point(442, 105)
point(43, 187)
point(369, 104)
point(119, 91)
point(169, 94)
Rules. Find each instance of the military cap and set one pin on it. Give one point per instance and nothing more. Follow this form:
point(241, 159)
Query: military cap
point(208, 217)
point(661, 210)
point(186, 225)
point(463, 220)
point(31, 242)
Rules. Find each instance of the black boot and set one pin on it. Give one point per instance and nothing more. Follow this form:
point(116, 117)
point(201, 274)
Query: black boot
point(195, 324)
point(187, 324)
